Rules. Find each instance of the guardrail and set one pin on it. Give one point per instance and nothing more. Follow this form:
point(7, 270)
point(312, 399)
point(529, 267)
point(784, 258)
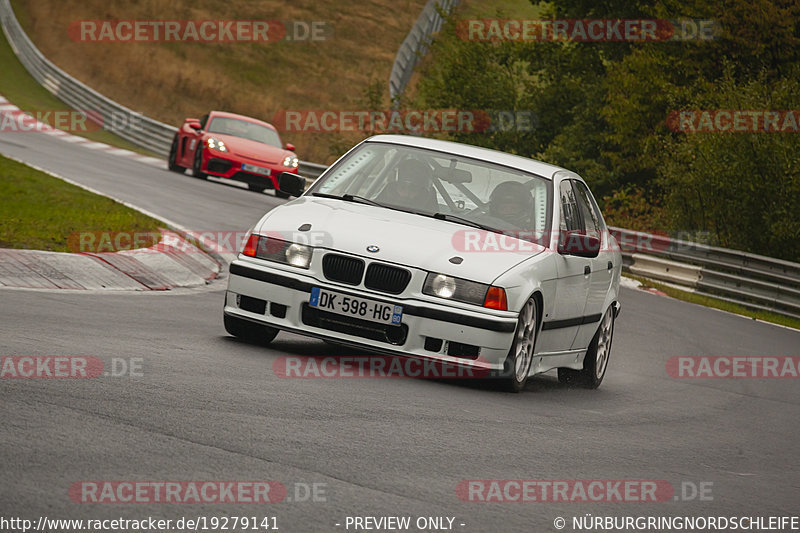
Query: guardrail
point(415, 45)
point(126, 123)
point(754, 281)
point(751, 280)
point(130, 125)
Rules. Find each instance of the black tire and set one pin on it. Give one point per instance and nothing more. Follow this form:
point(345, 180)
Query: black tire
point(256, 188)
point(173, 156)
point(249, 331)
point(197, 163)
point(595, 363)
point(520, 357)
point(279, 194)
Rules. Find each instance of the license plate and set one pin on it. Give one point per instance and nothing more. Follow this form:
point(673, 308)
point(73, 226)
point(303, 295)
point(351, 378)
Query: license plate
point(256, 170)
point(362, 308)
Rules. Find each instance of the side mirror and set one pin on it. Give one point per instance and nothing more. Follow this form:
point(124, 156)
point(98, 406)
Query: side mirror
point(291, 184)
point(579, 244)
point(195, 126)
point(290, 147)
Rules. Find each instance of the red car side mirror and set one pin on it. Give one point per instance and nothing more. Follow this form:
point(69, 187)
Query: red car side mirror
point(195, 126)
point(290, 146)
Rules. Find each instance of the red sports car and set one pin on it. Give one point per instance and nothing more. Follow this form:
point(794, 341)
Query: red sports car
point(232, 146)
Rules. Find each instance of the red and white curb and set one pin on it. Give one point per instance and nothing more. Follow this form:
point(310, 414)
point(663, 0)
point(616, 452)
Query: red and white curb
point(13, 118)
point(172, 263)
point(175, 262)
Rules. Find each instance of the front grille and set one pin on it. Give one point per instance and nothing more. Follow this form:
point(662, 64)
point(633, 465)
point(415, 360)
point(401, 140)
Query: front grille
point(254, 305)
point(387, 333)
point(219, 166)
point(464, 351)
point(255, 179)
point(386, 278)
point(343, 269)
point(432, 344)
point(277, 310)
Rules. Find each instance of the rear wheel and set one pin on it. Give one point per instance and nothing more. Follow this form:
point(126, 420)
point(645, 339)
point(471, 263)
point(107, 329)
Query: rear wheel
point(596, 360)
point(249, 331)
point(519, 360)
point(198, 164)
point(173, 156)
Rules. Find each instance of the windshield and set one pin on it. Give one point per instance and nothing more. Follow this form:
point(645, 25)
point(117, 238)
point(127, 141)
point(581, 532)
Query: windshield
point(245, 130)
point(429, 182)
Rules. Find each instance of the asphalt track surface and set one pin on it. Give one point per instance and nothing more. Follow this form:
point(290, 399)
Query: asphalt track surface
point(208, 407)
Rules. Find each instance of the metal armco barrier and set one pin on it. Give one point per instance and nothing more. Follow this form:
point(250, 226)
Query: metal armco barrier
point(126, 123)
point(130, 125)
point(415, 45)
point(649, 266)
point(751, 280)
point(754, 281)
point(311, 170)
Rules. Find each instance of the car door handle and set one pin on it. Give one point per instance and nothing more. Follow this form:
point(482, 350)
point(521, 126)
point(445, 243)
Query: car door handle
point(610, 265)
point(587, 270)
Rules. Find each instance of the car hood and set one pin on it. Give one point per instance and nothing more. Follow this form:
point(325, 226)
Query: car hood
point(254, 150)
point(403, 238)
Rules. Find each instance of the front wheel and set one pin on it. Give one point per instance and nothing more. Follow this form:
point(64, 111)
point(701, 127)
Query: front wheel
point(596, 361)
point(256, 188)
point(198, 164)
point(249, 331)
point(518, 363)
point(173, 156)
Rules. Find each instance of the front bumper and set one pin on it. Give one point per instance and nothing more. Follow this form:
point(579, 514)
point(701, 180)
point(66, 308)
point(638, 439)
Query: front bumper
point(223, 167)
point(279, 298)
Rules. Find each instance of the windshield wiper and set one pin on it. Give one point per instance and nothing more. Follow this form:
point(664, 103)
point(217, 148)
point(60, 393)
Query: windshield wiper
point(461, 220)
point(352, 198)
point(361, 200)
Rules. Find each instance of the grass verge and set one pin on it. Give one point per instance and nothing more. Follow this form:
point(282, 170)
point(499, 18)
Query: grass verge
point(19, 87)
point(41, 212)
point(716, 303)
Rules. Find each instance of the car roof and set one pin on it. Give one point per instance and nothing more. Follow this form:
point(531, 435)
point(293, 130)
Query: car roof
point(225, 114)
point(540, 168)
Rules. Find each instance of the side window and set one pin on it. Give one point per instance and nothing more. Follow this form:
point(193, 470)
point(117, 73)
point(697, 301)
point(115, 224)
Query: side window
point(203, 122)
point(569, 208)
point(593, 222)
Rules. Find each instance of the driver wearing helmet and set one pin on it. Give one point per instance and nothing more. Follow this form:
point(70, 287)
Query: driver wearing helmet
point(413, 187)
point(512, 203)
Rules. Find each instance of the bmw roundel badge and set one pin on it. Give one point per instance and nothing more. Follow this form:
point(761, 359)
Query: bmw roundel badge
point(372, 248)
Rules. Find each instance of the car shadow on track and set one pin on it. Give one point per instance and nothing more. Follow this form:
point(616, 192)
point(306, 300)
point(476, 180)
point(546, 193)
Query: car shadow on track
point(310, 355)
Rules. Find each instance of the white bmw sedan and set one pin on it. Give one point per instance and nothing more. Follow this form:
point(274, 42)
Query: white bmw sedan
point(439, 251)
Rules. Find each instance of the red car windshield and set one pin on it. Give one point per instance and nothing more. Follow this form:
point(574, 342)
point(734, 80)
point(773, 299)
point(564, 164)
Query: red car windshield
point(245, 130)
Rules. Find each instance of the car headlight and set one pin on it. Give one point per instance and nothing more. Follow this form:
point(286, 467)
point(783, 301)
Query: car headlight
point(216, 144)
point(288, 253)
point(291, 161)
point(462, 290)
